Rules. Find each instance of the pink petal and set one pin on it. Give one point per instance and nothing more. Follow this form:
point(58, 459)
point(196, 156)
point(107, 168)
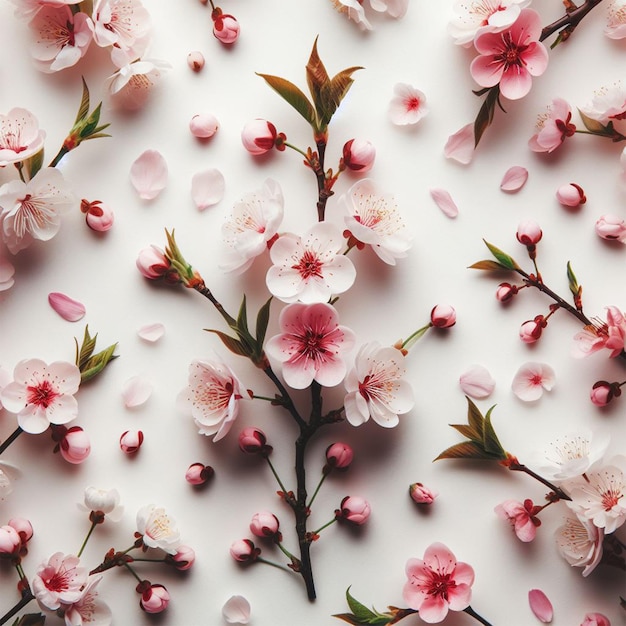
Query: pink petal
point(236, 610)
point(445, 202)
point(6, 274)
point(460, 146)
point(148, 174)
point(68, 309)
point(540, 605)
point(514, 178)
point(136, 391)
point(207, 188)
point(477, 382)
point(151, 332)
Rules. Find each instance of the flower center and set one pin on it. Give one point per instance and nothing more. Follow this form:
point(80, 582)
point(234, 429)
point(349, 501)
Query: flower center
point(43, 395)
point(610, 498)
point(440, 584)
point(511, 53)
point(32, 212)
point(160, 527)
point(412, 104)
point(309, 265)
point(59, 581)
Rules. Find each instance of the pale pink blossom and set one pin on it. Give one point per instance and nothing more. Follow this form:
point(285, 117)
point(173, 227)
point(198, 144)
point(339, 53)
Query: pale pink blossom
point(203, 125)
point(579, 541)
point(521, 517)
point(120, 23)
point(264, 524)
point(511, 58)
point(339, 456)
point(359, 155)
point(596, 619)
point(260, 136)
point(151, 332)
point(460, 146)
point(540, 605)
point(212, 397)
point(529, 233)
point(42, 394)
point(89, 609)
point(225, 27)
point(158, 529)
point(443, 316)
point(131, 441)
point(59, 580)
point(437, 583)
point(311, 345)
point(477, 382)
point(421, 494)
point(236, 610)
point(354, 509)
point(354, 11)
point(155, 599)
point(195, 60)
point(393, 8)
point(571, 195)
point(244, 551)
point(376, 387)
point(610, 335)
point(75, 446)
point(310, 268)
point(408, 105)
point(131, 84)
point(20, 136)
point(553, 127)
point(514, 178)
point(106, 501)
point(252, 225)
point(148, 174)
point(444, 201)
point(531, 379)
point(608, 105)
point(33, 210)
point(136, 391)
point(207, 188)
point(68, 308)
point(611, 227)
point(616, 20)
point(373, 218)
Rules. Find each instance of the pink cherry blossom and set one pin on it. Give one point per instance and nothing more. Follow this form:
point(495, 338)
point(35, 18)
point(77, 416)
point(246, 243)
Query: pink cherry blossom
point(579, 541)
point(131, 441)
point(610, 334)
point(59, 580)
point(130, 86)
point(212, 397)
point(477, 382)
point(571, 195)
point(443, 316)
point(158, 529)
point(68, 308)
point(225, 27)
point(354, 11)
point(421, 494)
point(98, 216)
point(253, 441)
point(553, 127)
point(10, 542)
point(460, 146)
point(42, 394)
point(236, 610)
point(437, 583)
point(310, 268)
point(154, 265)
point(148, 174)
point(595, 619)
point(616, 20)
point(531, 379)
point(540, 605)
point(531, 330)
point(359, 155)
point(264, 524)
point(183, 559)
point(408, 105)
point(511, 58)
point(120, 23)
point(23, 527)
point(311, 345)
point(611, 227)
point(198, 473)
point(603, 392)
point(20, 136)
point(155, 599)
point(521, 516)
point(608, 105)
point(89, 608)
point(354, 509)
point(373, 218)
point(529, 233)
point(376, 387)
point(75, 446)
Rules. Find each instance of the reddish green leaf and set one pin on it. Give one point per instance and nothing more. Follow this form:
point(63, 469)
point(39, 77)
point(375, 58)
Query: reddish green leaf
point(293, 95)
point(489, 266)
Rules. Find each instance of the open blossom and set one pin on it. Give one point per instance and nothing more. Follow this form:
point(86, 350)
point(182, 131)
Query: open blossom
point(212, 397)
point(553, 127)
point(42, 394)
point(354, 11)
point(374, 219)
point(531, 379)
point(158, 529)
point(610, 334)
point(521, 516)
point(311, 345)
point(408, 106)
point(376, 388)
point(59, 580)
point(512, 57)
point(608, 105)
point(616, 20)
point(20, 136)
point(579, 542)
point(120, 23)
point(88, 609)
point(437, 583)
point(310, 268)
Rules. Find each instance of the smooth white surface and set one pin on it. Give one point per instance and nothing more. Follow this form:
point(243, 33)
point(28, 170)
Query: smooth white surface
point(385, 304)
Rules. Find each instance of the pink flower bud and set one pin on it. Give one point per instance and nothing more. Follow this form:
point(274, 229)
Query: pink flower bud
point(339, 456)
point(422, 494)
point(603, 392)
point(359, 155)
point(244, 551)
point(183, 559)
point(23, 527)
point(131, 441)
point(443, 316)
point(506, 291)
point(100, 222)
point(571, 195)
point(75, 446)
point(195, 60)
point(198, 473)
point(253, 441)
point(354, 509)
point(225, 27)
point(259, 136)
point(531, 330)
point(10, 542)
point(612, 228)
point(264, 524)
point(154, 599)
point(153, 263)
point(529, 233)
point(596, 619)
point(203, 125)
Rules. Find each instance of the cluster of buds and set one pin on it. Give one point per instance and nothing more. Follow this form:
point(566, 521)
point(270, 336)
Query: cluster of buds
point(13, 539)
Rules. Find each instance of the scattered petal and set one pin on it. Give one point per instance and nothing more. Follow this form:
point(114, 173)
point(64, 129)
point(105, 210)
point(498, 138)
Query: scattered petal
point(136, 391)
point(460, 146)
point(477, 382)
point(207, 188)
point(69, 309)
point(6, 274)
point(540, 605)
point(236, 610)
point(148, 174)
point(445, 202)
point(514, 178)
point(151, 332)
point(531, 379)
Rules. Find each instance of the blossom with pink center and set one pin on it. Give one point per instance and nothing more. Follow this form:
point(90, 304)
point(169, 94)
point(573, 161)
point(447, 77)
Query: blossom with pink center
point(311, 345)
point(531, 379)
point(158, 529)
point(610, 334)
point(120, 23)
point(59, 580)
point(408, 105)
point(579, 541)
point(354, 509)
point(511, 58)
point(521, 516)
point(376, 388)
point(154, 599)
point(616, 20)
point(33, 210)
point(20, 136)
point(310, 268)
point(42, 394)
point(212, 397)
point(553, 127)
point(373, 218)
point(611, 227)
point(608, 105)
point(88, 609)
point(437, 583)
point(131, 84)
point(354, 11)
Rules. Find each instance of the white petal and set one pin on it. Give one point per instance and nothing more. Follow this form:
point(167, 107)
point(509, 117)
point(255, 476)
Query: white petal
point(148, 174)
point(540, 605)
point(151, 332)
point(136, 391)
point(207, 188)
point(69, 309)
point(236, 610)
point(477, 382)
point(444, 201)
point(514, 178)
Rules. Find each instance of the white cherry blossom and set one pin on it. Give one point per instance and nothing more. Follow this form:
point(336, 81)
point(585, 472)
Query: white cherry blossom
point(158, 529)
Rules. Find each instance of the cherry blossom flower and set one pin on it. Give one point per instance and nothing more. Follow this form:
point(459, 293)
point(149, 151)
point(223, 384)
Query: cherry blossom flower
point(530, 331)
point(20, 136)
point(354, 509)
point(154, 265)
point(393, 8)
point(244, 551)
point(212, 397)
point(608, 105)
point(23, 527)
point(373, 219)
point(88, 609)
point(198, 473)
point(354, 11)
point(438, 583)
point(472, 17)
point(310, 268)
point(253, 441)
point(131, 441)
point(158, 529)
point(42, 394)
point(610, 334)
point(511, 58)
point(131, 84)
point(443, 316)
point(611, 227)
point(184, 558)
point(531, 379)
point(155, 599)
point(602, 392)
point(236, 610)
point(553, 127)
point(595, 619)
point(260, 136)
point(105, 501)
point(311, 345)
point(339, 456)
point(59, 580)
point(616, 20)
point(120, 23)
point(254, 222)
point(10, 542)
point(521, 516)
point(376, 388)
point(571, 195)
point(579, 542)
point(33, 210)
point(540, 605)
point(408, 105)
point(460, 146)
point(98, 216)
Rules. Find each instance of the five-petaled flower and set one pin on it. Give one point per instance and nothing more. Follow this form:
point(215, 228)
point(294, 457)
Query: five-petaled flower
point(531, 379)
point(158, 529)
point(580, 543)
point(553, 127)
point(522, 517)
point(20, 136)
point(408, 105)
point(88, 609)
point(59, 580)
point(610, 334)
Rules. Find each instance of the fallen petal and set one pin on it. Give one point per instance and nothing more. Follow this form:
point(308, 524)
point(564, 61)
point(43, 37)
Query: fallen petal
point(151, 332)
point(460, 146)
point(514, 178)
point(207, 188)
point(136, 391)
point(69, 309)
point(6, 274)
point(477, 382)
point(236, 610)
point(540, 605)
point(445, 202)
point(148, 174)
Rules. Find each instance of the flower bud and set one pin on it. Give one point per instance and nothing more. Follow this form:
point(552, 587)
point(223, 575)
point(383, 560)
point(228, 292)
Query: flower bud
point(10, 542)
point(103, 500)
point(131, 441)
point(253, 441)
point(596, 619)
point(23, 527)
point(203, 125)
point(443, 316)
point(571, 195)
point(244, 551)
point(506, 291)
point(359, 155)
point(183, 559)
point(259, 136)
point(198, 473)
point(339, 456)
point(612, 228)
point(422, 494)
point(100, 222)
point(354, 509)
point(529, 233)
point(603, 392)
point(531, 330)
point(225, 27)
point(264, 524)
point(153, 263)
point(195, 60)
point(154, 599)
point(75, 446)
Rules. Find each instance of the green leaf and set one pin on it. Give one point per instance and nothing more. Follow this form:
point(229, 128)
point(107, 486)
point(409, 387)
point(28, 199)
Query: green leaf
point(502, 258)
point(362, 615)
point(334, 92)
point(86, 350)
point(293, 95)
point(489, 266)
point(234, 345)
point(592, 125)
point(465, 450)
point(262, 321)
point(485, 114)
point(317, 79)
point(574, 287)
point(242, 317)
point(97, 363)
point(83, 109)
point(490, 439)
point(469, 432)
point(34, 164)
point(474, 417)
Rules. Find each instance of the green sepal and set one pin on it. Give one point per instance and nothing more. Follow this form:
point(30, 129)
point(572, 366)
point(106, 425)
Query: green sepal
point(234, 345)
point(502, 257)
point(574, 287)
point(293, 95)
point(489, 265)
point(593, 126)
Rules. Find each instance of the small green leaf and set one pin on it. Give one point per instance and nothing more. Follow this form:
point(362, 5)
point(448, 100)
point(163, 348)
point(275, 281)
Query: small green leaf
point(242, 316)
point(465, 450)
point(334, 92)
point(485, 114)
point(592, 125)
point(490, 440)
point(86, 350)
point(469, 432)
point(574, 287)
point(234, 345)
point(293, 95)
point(262, 321)
point(474, 417)
point(318, 79)
point(492, 266)
point(502, 258)
point(83, 109)
point(97, 363)
point(34, 164)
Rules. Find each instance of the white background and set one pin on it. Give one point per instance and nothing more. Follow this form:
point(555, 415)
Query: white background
point(385, 304)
